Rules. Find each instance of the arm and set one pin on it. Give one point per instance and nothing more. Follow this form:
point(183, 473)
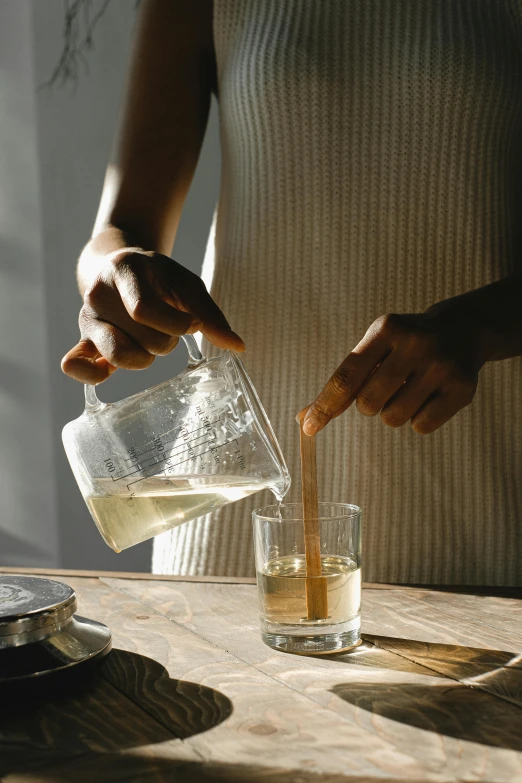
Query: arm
point(424, 367)
point(137, 301)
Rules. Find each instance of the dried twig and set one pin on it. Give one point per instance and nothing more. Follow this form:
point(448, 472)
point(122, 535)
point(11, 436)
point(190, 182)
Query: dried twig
point(80, 20)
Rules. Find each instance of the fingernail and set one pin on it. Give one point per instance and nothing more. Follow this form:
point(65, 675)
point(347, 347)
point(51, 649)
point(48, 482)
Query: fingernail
point(238, 338)
point(311, 425)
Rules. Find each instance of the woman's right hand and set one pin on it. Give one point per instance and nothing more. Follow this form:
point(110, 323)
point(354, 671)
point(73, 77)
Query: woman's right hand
point(136, 305)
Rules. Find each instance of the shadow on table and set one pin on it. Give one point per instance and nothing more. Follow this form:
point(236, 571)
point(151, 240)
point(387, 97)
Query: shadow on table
point(451, 660)
point(126, 768)
point(130, 701)
point(453, 710)
point(461, 705)
point(496, 671)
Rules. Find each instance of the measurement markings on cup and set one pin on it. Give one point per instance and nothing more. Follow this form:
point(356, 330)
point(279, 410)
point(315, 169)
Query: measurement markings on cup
point(159, 451)
point(135, 454)
point(240, 459)
point(169, 460)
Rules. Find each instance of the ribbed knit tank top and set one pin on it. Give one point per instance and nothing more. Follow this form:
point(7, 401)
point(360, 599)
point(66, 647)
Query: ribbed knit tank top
point(371, 164)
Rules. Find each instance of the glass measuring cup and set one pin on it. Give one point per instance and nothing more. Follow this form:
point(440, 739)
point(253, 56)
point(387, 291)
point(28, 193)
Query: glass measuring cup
point(175, 451)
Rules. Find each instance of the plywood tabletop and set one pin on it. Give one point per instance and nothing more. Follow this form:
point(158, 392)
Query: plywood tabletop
point(191, 693)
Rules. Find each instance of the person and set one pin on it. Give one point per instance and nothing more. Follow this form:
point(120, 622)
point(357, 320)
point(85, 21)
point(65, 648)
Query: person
point(368, 219)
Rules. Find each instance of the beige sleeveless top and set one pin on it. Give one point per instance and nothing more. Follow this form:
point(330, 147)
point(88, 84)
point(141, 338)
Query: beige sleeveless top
point(371, 164)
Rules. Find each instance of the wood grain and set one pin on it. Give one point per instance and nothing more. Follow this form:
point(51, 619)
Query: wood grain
point(61, 573)
point(95, 719)
point(392, 711)
point(495, 671)
point(493, 611)
point(182, 708)
point(316, 586)
point(131, 768)
point(218, 612)
point(450, 710)
point(413, 614)
point(268, 718)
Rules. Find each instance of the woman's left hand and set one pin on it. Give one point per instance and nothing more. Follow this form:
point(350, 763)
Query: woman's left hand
point(421, 368)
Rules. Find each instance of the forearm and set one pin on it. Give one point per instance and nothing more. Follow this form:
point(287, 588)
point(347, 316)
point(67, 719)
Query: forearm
point(496, 311)
point(164, 121)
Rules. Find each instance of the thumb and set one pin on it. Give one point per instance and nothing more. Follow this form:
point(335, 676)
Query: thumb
point(85, 364)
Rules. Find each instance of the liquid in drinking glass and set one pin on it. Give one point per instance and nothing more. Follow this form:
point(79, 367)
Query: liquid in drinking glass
point(282, 591)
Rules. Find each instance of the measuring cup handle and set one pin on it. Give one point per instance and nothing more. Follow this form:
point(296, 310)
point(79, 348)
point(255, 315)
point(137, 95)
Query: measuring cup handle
point(92, 402)
point(195, 355)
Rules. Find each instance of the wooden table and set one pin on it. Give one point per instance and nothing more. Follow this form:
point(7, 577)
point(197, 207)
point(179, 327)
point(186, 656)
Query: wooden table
point(190, 693)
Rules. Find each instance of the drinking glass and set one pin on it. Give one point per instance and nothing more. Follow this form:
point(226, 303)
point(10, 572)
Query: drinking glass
point(287, 621)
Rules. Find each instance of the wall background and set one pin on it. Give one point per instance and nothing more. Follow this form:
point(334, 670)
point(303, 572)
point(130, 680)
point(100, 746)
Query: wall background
point(54, 145)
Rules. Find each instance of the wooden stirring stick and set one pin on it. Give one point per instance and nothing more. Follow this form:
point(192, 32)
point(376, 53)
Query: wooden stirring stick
point(316, 590)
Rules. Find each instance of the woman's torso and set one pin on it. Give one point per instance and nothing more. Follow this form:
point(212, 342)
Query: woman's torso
point(371, 164)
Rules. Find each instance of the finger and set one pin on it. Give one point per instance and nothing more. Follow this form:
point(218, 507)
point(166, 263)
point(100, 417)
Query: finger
point(152, 341)
point(438, 410)
point(302, 413)
point(146, 308)
point(228, 340)
point(344, 385)
point(117, 347)
point(104, 303)
point(181, 291)
point(383, 383)
point(84, 363)
point(409, 399)
point(214, 325)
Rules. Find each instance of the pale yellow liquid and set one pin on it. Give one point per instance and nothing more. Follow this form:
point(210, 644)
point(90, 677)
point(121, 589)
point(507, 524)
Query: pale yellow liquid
point(282, 590)
point(162, 503)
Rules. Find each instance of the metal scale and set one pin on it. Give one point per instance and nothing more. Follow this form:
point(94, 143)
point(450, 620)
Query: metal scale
point(40, 634)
